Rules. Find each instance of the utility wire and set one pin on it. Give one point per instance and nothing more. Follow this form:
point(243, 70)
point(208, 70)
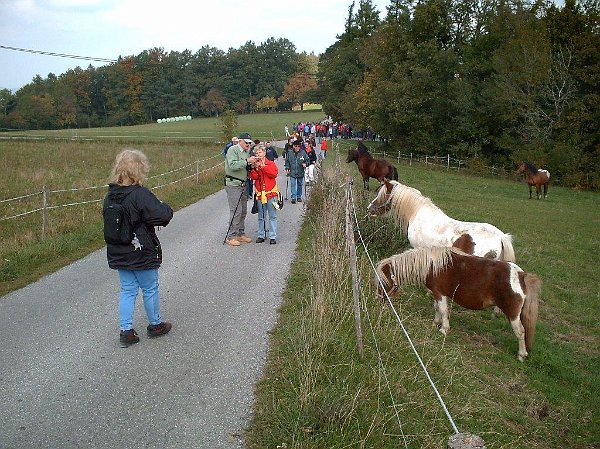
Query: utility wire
point(60, 55)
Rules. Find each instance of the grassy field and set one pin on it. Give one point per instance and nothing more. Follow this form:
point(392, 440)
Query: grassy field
point(262, 126)
point(318, 393)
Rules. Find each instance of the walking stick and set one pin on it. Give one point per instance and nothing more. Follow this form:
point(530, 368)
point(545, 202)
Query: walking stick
point(233, 216)
point(287, 178)
point(264, 206)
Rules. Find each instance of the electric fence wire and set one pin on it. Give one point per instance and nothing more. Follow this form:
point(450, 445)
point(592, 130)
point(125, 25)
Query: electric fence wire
point(102, 186)
point(60, 55)
point(399, 320)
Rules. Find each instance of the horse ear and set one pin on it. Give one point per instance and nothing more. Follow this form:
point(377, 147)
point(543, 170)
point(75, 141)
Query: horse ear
point(388, 185)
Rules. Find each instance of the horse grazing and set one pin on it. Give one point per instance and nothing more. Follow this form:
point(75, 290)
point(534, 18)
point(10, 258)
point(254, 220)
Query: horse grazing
point(535, 177)
point(470, 281)
point(369, 167)
point(427, 225)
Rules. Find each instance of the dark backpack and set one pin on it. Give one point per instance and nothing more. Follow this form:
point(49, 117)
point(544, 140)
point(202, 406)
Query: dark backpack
point(227, 147)
point(118, 229)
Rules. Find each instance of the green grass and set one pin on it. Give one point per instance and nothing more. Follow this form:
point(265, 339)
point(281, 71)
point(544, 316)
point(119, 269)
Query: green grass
point(262, 126)
point(317, 392)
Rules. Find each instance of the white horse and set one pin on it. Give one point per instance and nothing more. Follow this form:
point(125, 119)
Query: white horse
point(426, 225)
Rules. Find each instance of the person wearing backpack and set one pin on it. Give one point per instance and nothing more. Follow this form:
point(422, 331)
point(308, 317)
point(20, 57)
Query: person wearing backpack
point(132, 211)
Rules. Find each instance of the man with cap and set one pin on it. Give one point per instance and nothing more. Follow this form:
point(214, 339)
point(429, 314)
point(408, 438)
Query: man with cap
point(237, 162)
point(296, 160)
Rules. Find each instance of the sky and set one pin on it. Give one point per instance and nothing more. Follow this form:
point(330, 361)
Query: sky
point(111, 28)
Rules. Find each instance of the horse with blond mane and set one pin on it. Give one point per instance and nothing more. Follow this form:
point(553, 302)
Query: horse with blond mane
point(470, 281)
point(426, 225)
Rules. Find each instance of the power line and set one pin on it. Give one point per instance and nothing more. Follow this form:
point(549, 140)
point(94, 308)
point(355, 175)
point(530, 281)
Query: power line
point(60, 55)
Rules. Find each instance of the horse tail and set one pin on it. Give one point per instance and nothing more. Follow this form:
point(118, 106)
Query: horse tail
point(529, 312)
point(507, 253)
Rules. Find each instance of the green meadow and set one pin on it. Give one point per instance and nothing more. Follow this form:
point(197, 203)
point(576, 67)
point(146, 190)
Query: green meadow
point(318, 392)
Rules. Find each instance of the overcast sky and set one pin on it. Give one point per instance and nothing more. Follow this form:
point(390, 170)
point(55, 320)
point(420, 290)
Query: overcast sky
point(110, 28)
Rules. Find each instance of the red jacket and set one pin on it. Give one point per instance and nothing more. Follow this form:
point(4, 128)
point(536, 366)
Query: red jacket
point(265, 180)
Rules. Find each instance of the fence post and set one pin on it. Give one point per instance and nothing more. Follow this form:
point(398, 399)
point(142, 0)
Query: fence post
point(353, 269)
point(410, 160)
point(398, 161)
point(197, 170)
point(426, 160)
point(448, 165)
point(44, 206)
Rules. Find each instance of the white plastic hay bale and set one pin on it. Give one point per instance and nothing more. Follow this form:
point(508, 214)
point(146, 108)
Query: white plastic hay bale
point(189, 117)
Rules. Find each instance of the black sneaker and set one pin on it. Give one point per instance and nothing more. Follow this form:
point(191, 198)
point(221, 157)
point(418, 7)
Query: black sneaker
point(299, 200)
point(156, 330)
point(293, 201)
point(260, 240)
point(128, 338)
point(272, 241)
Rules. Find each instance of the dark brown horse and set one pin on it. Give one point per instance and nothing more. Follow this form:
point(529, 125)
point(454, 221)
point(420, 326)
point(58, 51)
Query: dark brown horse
point(370, 167)
point(471, 281)
point(535, 177)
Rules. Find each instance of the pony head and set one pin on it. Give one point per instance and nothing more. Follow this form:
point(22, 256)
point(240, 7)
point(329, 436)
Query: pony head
point(352, 156)
point(383, 200)
point(386, 280)
point(526, 167)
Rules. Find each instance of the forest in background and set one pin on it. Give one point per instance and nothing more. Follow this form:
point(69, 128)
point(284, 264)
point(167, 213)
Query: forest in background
point(490, 82)
point(156, 84)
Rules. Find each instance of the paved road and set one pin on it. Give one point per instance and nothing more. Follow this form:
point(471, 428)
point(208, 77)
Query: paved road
point(66, 383)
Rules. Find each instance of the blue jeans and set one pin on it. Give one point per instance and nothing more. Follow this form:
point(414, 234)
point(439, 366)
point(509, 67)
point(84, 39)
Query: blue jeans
point(131, 282)
point(296, 187)
point(270, 209)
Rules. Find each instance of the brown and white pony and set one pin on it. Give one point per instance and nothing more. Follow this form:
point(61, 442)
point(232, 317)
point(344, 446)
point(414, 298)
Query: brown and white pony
point(473, 282)
point(537, 177)
point(426, 225)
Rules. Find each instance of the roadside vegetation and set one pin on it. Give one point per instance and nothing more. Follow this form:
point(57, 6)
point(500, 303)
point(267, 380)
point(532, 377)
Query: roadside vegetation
point(317, 392)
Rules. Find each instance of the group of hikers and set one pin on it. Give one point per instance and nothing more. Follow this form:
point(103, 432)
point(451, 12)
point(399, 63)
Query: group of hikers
point(329, 129)
point(131, 212)
point(250, 172)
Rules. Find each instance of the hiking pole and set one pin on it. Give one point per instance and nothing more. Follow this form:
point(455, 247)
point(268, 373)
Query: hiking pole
point(263, 207)
point(236, 208)
point(287, 178)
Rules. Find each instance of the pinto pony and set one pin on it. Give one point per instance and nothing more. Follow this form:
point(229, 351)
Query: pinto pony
point(470, 281)
point(369, 167)
point(427, 225)
point(535, 177)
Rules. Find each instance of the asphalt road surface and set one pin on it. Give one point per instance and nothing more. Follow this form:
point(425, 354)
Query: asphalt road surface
point(66, 383)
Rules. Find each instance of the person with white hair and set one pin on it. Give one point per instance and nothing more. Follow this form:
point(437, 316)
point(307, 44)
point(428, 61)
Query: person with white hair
point(237, 163)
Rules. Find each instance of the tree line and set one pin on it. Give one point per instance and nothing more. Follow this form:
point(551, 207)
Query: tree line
point(495, 81)
point(156, 84)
